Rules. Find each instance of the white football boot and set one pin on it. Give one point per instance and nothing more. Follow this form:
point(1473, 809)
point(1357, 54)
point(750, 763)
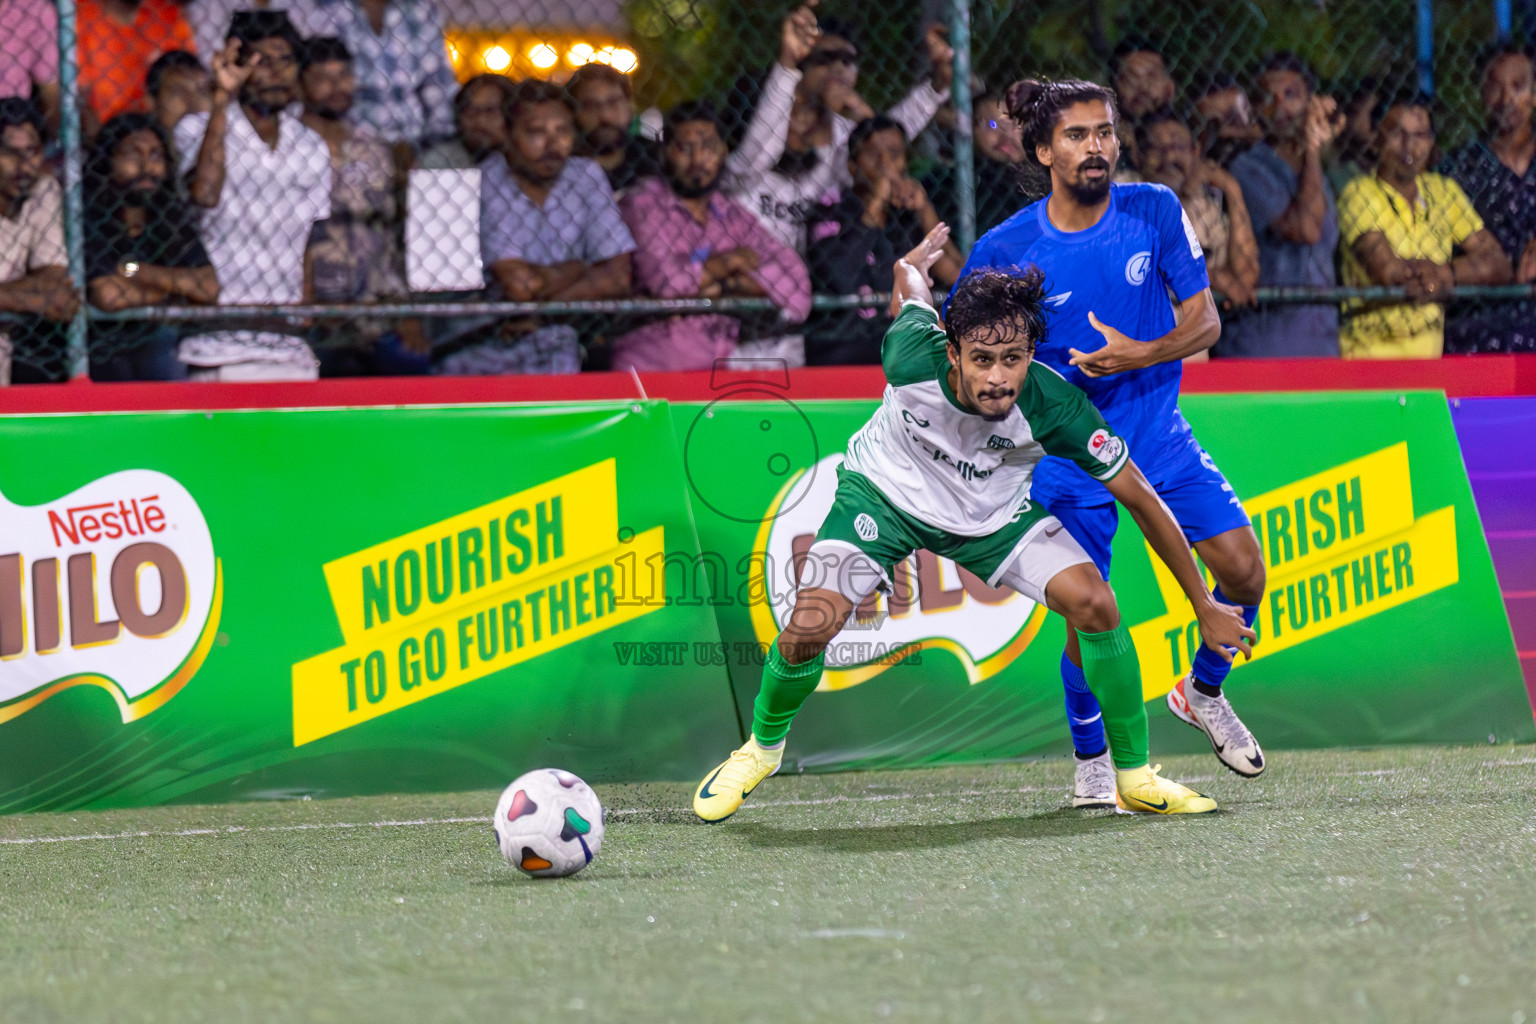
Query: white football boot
point(1234, 745)
point(1093, 783)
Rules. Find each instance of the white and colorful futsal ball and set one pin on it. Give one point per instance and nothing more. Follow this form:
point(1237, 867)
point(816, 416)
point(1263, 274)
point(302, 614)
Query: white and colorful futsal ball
point(549, 823)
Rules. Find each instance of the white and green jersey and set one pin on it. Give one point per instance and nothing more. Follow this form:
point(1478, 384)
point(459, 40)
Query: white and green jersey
point(952, 468)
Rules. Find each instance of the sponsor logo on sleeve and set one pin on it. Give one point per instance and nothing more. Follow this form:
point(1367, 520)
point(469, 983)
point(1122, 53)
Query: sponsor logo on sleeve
point(1105, 446)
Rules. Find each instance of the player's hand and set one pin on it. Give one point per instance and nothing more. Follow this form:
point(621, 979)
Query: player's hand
point(1120, 353)
point(229, 75)
point(797, 36)
point(929, 251)
point(1222, 629)
point(940, 55)
point(918, 263)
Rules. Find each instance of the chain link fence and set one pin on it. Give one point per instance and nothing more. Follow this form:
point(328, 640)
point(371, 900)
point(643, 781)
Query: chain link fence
point(219, 190)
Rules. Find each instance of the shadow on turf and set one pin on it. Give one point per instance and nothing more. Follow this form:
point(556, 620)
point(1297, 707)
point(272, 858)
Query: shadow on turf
point(1059, 824)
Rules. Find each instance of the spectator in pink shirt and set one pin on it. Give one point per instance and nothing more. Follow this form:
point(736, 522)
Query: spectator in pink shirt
point(695, 242)
point(29, 55)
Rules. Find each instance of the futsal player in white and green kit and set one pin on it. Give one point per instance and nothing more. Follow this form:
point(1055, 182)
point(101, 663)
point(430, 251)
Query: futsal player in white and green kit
point(945, 464)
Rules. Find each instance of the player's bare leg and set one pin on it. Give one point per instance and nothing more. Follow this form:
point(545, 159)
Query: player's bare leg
point(1088, 604)
point(1237, 564)
point(791, 672)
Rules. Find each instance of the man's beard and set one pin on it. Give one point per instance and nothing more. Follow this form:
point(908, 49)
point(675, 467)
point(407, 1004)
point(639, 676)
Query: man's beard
point(1089, 193)
point(262, 107)
point(605, 139)
point(688, 190)
point(329, 113)
point(23, 189)
point(141, 198)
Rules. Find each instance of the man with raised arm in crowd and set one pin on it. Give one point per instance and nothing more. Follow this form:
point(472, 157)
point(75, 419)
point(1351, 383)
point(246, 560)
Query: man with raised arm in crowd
point(1213, 202)
point(262, 179)
point(795, 151)
point(608, 130)
point(1294, 219)
point(34, 274)
point(482, 128)
point(692, 241)
point(141, 249)
point(549, 231)
point(1405, 226)
point(884, 214)
point(1498, 173)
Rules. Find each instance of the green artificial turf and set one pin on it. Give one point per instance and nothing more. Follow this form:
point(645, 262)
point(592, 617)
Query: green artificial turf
point(1391, 885)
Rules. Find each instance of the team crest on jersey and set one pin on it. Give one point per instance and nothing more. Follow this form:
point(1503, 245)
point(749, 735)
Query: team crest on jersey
point(999, 443)
point(864, 526)
point(1137, 267)
point(1105, 446)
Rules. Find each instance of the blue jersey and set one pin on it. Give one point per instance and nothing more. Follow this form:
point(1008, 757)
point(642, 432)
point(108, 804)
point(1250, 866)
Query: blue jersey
point(1122, 270)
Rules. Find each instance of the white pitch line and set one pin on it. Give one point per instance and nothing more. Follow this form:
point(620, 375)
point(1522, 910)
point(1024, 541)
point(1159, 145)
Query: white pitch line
point(238, 829)
point(618, 812)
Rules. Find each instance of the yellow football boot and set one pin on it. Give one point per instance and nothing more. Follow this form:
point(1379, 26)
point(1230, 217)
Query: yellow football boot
point(723, 790)
point(1143, 790)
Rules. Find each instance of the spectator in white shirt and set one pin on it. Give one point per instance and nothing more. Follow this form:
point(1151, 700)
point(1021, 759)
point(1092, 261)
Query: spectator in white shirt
point(262, 179)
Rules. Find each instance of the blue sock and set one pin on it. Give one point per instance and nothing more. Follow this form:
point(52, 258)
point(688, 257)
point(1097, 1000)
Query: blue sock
point(1209, 668)
point(1083, 713)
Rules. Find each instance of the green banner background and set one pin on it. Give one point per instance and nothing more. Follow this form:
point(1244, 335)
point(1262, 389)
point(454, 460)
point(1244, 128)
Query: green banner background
point(285, 492)
point(1441, 668)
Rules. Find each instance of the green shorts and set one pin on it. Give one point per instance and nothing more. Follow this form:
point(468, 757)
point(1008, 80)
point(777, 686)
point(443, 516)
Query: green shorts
point(1031, 548)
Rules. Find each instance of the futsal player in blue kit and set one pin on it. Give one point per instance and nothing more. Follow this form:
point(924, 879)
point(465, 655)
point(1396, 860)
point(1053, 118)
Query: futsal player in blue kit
point(1112, 256)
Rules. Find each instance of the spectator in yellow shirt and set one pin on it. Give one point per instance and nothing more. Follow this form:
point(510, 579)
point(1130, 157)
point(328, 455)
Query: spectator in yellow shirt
point(1403, 226)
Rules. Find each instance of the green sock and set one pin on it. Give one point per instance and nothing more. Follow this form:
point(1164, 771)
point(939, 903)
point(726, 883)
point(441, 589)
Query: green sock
point(785, 687)
point(1114, 676)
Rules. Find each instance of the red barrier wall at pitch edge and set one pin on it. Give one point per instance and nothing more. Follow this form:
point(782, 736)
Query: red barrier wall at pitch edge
point(1458, 376)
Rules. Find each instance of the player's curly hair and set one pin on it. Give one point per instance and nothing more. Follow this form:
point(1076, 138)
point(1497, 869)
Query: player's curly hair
point(997, 305)
point(1036, 104)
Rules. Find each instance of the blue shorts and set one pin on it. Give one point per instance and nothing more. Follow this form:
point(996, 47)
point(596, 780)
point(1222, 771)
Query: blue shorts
point(1194, 490)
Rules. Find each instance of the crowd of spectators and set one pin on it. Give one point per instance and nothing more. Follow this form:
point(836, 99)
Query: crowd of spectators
point(259, 152)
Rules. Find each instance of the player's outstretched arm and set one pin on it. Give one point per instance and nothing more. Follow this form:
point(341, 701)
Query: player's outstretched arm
point(1221, 625)
point(911, 277)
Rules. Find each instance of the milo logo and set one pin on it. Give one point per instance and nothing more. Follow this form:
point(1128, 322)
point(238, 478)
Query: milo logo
point(933, 604)
point(115, 585)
